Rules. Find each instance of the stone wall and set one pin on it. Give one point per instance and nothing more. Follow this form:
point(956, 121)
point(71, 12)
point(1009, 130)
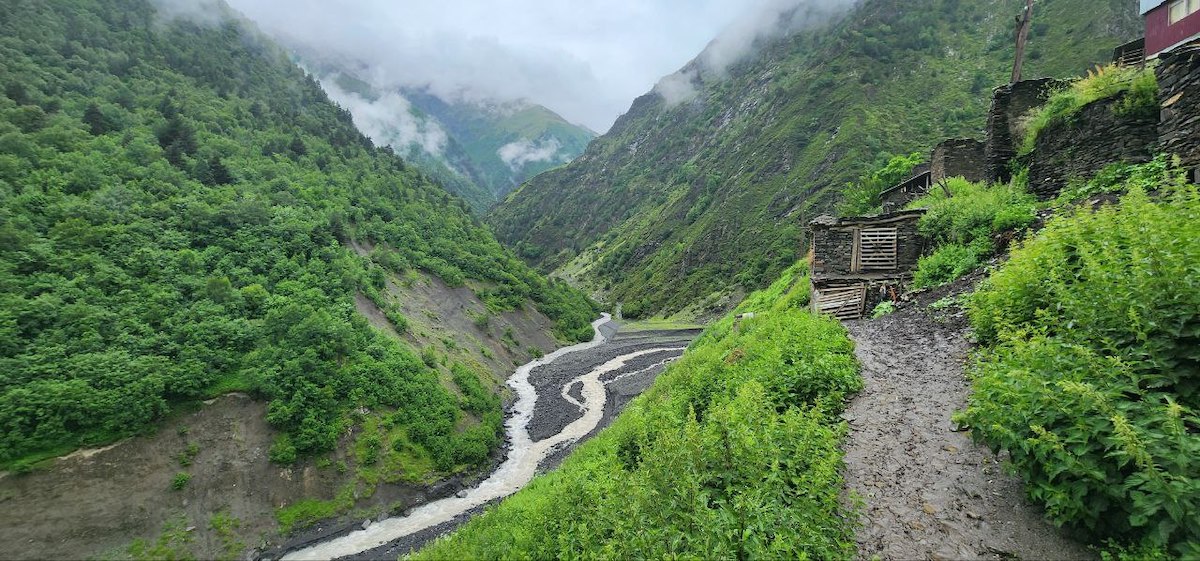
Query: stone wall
point(1010, 104)
point(959, 157)
point(1083, 144)
point(832, 247)
point(1179, 91)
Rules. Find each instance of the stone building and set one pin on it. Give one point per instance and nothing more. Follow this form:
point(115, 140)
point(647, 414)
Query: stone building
point(858, 262)
point(958, 157)
point(907, 191)
point(1010, 104)
point(1179, 94)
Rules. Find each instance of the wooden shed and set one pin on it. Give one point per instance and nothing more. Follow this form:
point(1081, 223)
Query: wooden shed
point(858, 262)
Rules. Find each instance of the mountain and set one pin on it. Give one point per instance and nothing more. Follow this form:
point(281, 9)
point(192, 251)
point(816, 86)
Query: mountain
point(704, 188)
point(185, 215)
point(479, 149)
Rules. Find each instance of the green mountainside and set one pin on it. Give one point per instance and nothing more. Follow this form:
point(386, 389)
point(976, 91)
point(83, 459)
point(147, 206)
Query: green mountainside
point(684, 204)
point(506, 143)
point(176, 204)
point(479, 150)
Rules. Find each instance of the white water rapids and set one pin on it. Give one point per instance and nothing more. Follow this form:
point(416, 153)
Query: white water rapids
point(518, 468)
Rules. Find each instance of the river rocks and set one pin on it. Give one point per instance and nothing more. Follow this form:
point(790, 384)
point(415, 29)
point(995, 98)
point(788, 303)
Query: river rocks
point(461, 494)
point(366, 524)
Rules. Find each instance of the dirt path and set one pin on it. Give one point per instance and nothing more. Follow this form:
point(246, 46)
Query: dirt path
point(929, 492)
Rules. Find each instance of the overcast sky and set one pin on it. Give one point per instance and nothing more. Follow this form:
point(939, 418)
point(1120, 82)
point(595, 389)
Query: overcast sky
point(585, 59)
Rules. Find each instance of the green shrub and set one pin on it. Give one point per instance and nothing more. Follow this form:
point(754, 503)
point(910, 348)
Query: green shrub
point(180, 480)
point(1138, 85)
point(884, 308)
point(862, 198)
point(961, 225)
point(1090, 381)
point(732, 453)
point(396, 317)
point(185, 458)
point(1117, 177)
point(282, 452)
point(945, 264)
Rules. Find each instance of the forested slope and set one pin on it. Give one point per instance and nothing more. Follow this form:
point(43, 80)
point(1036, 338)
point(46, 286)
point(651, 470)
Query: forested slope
point(680, 203)
point(176, 198)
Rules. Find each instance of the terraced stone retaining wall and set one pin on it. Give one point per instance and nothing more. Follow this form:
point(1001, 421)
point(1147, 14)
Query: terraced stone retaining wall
point(1086, 142)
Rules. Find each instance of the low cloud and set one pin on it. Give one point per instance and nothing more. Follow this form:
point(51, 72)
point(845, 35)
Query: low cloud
point(203, 12)
point(389, 120)
point(523, 152)
point(776, 18)
point(584, 59)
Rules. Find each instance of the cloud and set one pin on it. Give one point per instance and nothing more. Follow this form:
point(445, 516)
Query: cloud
point(389, 120)
point(774, 18)
point(204, 12)
point(522, 152)
point(585, 59)
point(679, 87)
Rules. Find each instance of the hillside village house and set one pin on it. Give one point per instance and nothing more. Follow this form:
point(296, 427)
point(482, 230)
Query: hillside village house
point(1170, 23)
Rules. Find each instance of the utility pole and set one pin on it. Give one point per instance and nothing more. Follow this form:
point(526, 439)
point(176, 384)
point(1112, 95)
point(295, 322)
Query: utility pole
point(1023, 23)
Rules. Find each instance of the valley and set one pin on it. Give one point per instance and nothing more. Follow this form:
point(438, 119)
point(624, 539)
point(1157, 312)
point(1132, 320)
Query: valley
point(336, 284)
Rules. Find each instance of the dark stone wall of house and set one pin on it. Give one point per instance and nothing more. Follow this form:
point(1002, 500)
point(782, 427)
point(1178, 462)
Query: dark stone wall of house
point(833, 245)
point(832, 251)
point(910, 245)
point(959, 157)
point(1082, 145)
point(1178, 75)
point(1010, 104)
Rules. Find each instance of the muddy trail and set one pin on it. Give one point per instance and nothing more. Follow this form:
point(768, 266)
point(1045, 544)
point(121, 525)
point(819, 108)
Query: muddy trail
point(929, 492)
point(563, 399)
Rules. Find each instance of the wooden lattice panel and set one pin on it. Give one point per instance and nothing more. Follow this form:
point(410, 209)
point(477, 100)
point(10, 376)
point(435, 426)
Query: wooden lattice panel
point(844, 302)
point(877, 249)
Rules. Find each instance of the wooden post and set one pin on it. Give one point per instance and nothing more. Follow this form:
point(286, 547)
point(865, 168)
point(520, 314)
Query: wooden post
point(1023, 23)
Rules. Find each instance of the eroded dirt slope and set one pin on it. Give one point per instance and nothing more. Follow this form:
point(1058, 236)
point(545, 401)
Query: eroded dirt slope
point(929, 491)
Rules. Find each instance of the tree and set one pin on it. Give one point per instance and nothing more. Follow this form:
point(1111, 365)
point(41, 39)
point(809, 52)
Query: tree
point(98, 123)
point(1023, 22)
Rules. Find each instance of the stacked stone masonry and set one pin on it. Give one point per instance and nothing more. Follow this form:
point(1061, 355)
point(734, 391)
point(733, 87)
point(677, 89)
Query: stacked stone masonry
point(1010, 105)
point(959, 157)
point(1178, 75)
point(1077, 148)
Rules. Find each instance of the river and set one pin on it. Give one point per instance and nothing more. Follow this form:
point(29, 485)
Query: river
point(524, 455)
